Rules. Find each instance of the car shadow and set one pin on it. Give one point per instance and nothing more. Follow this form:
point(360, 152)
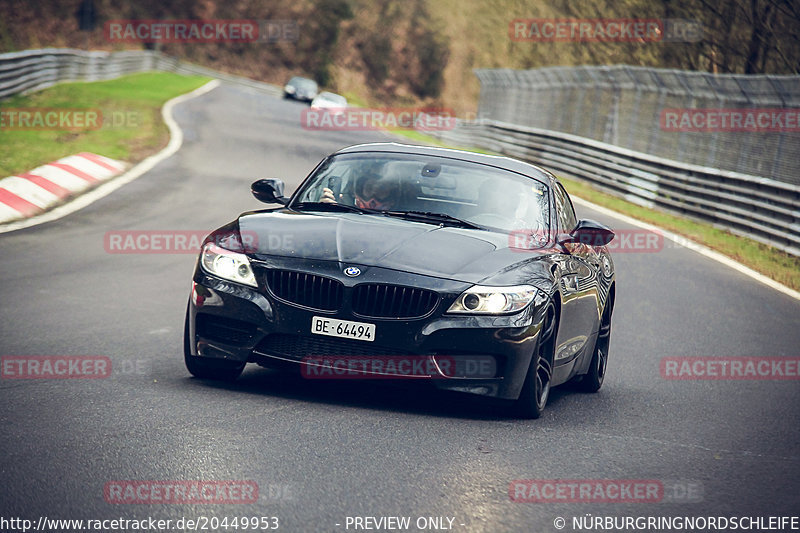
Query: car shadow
point(405, 396)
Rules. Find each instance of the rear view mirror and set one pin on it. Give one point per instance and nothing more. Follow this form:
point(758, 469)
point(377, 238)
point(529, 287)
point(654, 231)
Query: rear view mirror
point(591, 233)
point(269, 190)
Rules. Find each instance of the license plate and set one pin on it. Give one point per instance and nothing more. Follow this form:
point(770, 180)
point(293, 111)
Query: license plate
point(343, 328)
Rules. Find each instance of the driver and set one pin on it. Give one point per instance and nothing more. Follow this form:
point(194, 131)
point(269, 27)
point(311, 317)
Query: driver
point(372, 191)
point(497, 204)
point(492, 200)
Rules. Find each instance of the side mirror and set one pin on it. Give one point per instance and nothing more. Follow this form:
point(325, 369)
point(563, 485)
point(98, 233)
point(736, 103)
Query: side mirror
point(269, 191)
point(591, 233)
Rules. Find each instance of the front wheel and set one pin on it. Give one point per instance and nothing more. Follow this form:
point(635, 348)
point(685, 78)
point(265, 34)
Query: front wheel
point(593, 379)
point(205, 368)
point(533, 398)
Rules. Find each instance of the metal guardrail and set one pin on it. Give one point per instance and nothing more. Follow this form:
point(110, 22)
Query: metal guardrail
point(763, 209)
point(33, 70)
point(629, 107)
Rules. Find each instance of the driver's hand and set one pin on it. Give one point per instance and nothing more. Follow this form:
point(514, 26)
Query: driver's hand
point(327, 196)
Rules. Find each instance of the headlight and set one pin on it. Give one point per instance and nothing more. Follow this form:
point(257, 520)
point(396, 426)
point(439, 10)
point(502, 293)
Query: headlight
point(229, 265)
point(482, 300)
point(289, 89)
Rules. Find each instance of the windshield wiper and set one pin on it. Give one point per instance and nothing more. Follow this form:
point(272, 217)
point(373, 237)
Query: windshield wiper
point(438, 218)
point(419, 216)
point(325, 206)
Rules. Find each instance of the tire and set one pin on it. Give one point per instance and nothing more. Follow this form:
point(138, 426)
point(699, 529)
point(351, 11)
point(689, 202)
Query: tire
point(205, 368)
point(536, 390)
point(593, 380)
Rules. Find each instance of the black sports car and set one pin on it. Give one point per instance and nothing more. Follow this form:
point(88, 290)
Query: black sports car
point(469, 271)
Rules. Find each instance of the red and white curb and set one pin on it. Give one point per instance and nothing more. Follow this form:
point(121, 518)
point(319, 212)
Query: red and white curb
point(101, 191)
point(30, 193)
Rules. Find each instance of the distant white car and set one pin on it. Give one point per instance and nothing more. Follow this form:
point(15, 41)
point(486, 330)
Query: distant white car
point(334, 103)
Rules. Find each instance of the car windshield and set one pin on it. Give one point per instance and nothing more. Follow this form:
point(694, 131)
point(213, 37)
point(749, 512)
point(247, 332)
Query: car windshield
point(479, 194)
point(303, 83)
point(333, 98)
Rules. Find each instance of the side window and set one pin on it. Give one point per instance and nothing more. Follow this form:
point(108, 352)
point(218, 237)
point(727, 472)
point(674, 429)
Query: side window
point(566, 213)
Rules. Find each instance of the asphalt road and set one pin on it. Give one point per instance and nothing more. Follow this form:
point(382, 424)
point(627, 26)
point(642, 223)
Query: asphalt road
point(321, 452)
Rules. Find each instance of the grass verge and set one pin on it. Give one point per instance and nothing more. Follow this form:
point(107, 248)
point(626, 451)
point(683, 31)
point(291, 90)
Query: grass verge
point(770, 261)
point(130, 130)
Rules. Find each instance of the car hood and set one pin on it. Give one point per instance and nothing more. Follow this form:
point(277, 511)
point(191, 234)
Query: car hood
point(467, 255)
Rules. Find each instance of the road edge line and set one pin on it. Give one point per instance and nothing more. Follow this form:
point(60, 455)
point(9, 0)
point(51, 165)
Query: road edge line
point(83, 200)
point(685, 242)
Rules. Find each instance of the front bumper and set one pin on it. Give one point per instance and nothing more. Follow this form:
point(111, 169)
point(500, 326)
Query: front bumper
point(299, 96)
point(230, 321)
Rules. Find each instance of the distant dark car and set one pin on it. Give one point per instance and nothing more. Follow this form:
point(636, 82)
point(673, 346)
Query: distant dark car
point(472, 269)
point(302, 89)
